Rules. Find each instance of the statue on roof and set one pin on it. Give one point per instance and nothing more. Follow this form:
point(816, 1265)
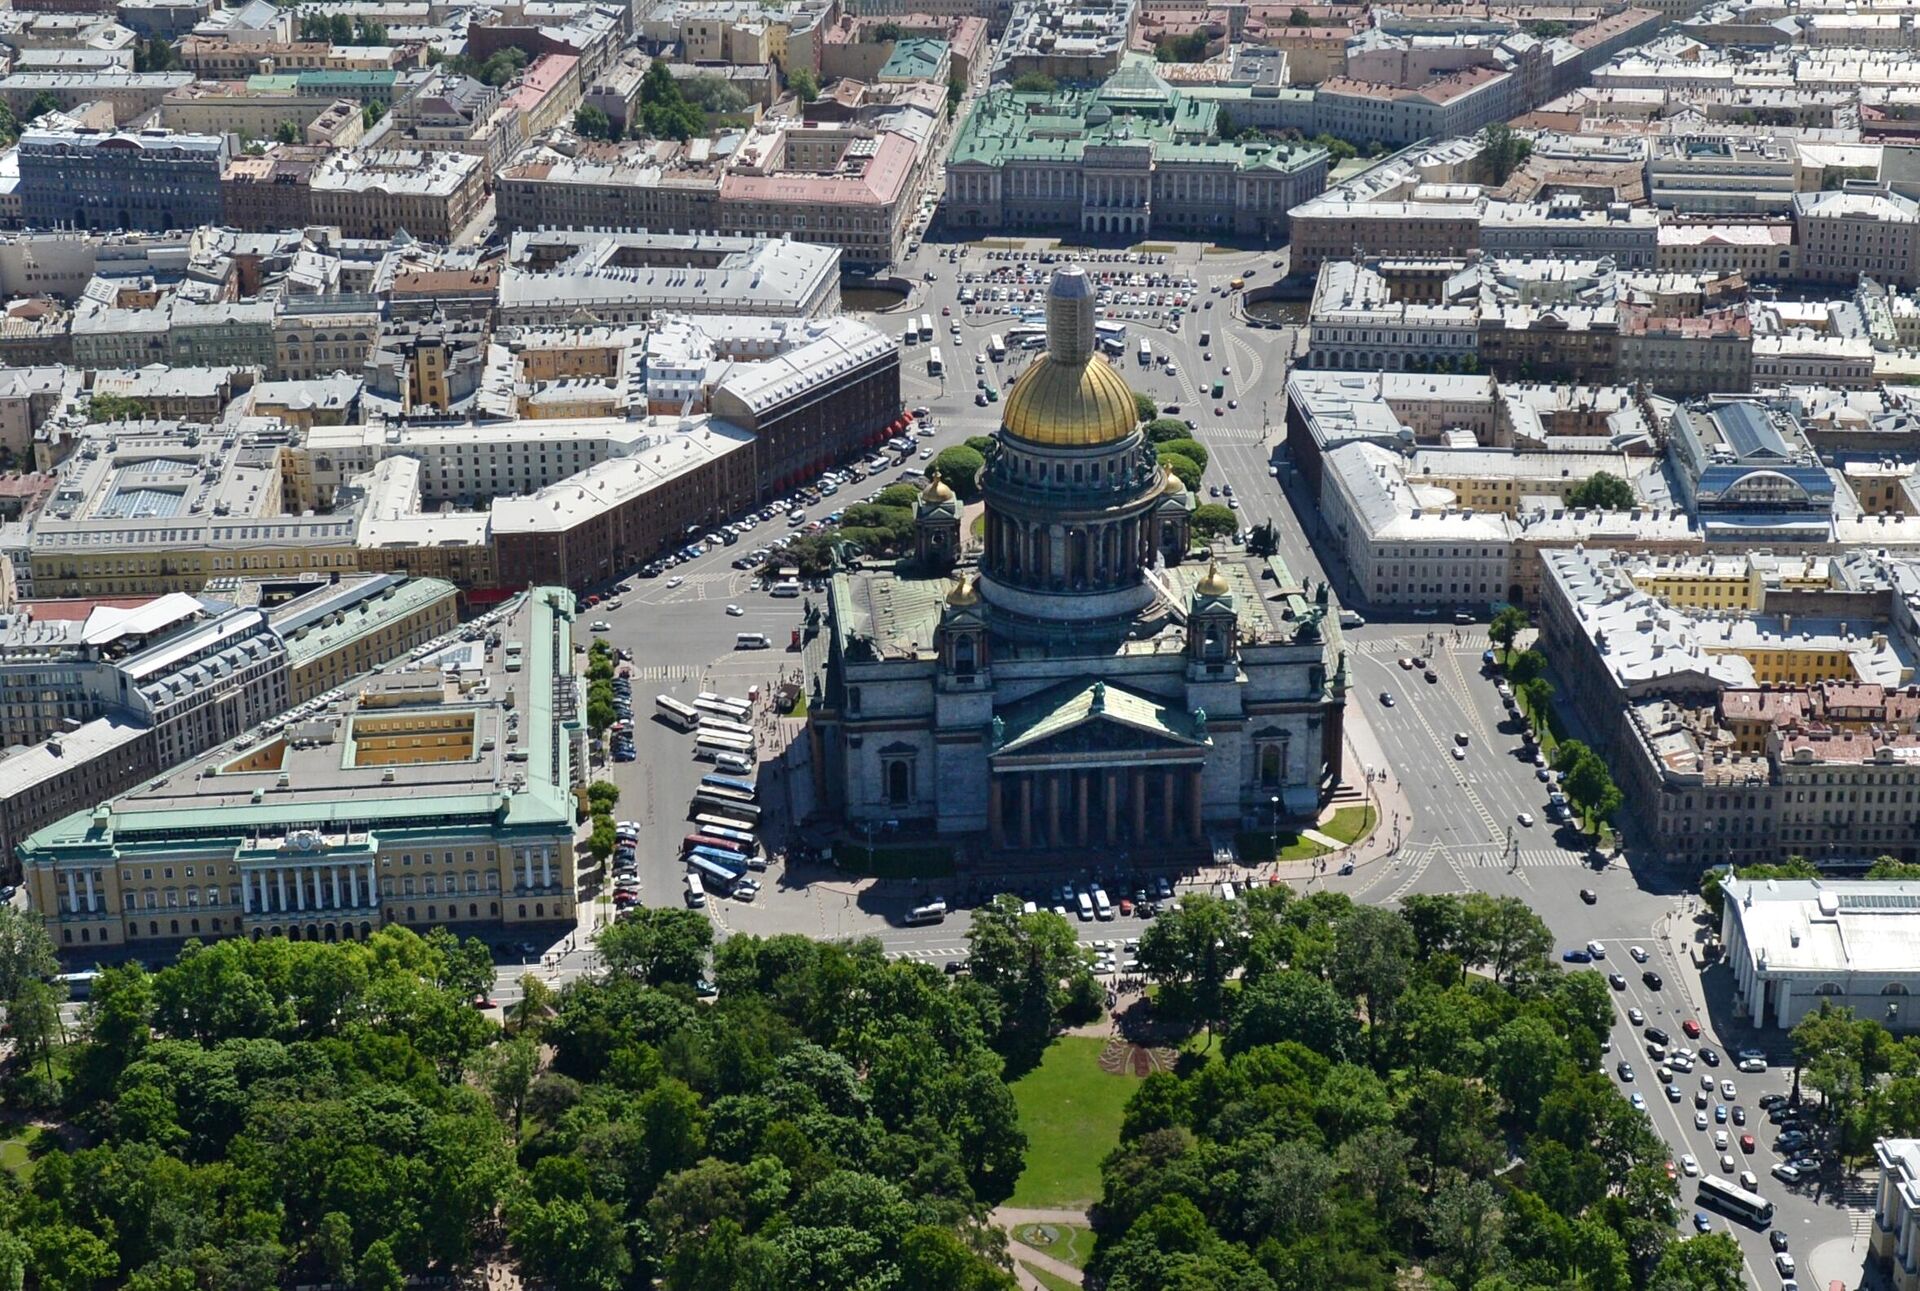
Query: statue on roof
point(1323, 594)
point(999, 728)
point(1099, 696)
point(1200, 723)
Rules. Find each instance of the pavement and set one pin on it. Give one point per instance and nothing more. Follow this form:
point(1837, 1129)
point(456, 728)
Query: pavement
point(1012, 1218)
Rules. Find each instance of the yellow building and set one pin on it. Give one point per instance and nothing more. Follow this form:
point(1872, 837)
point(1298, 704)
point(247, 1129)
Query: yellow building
point(439, 797)
point(1702, 582)
point(339, 632)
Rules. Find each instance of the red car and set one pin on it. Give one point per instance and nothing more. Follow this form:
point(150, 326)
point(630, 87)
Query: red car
point(1746, 1144)
point(1692, 1029)
point(1126, 906)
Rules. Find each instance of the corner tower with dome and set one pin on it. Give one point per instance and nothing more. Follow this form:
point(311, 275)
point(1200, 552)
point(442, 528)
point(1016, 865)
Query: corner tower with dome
point(1074, 678)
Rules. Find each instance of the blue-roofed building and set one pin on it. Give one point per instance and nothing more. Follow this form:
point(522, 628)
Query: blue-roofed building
point(1746, 469)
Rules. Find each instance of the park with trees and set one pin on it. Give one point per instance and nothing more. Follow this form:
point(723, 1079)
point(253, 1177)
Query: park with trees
point(1358, 1094)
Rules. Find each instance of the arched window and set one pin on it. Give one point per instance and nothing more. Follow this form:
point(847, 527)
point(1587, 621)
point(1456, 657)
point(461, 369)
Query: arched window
point(1893, 988)
point(1827, 988)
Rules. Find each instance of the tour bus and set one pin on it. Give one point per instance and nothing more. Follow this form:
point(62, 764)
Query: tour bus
point(1734, 1201)
point(733, 862)
point(713, 877)
point(706, 804)
point(752, 641)
point(696, 895)
point(79, 985)
point(708, 744)
point(681, 717)
point(718, 726)
point(996, 348)
point(729, 782)
point(740, 840)
point(931, 912)
point(926, 327)
point(1146, 353)
point(725, 827)
point(714, 840)
point(911, 336)
point(1085, 904)
point(935, 364)
point(731, 707)
point(708, 790)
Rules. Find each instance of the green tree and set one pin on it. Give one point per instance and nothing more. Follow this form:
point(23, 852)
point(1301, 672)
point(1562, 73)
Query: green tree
point(371, 112)
point(1185, 468)
point(1299, 17)
point(1211, 520)
point(960, 467)
point(1703, 1262)
point(898, 495)
point(602, 839)
point(116, 407)
point(507, 1071)
point(1144, 408)
point(1604, 491)
point(1338, 149)
point(1463, 1222)
point(592, 123)
point(714, 95)
point(956, 93)
point(26, 951)
point(1537, 696)
point(1192, 951)
point(981, 444)
point(1525, 666)
point(1033, 83)
point(1509, 622)
point(1887, 867)
point(41, 104)
point(1191, 449)
point(1031, 963)
point(604, 795)
point(1162, 429)
point(1502, 151)
point(803, 83)
point(571, 1243)
point(657, 945)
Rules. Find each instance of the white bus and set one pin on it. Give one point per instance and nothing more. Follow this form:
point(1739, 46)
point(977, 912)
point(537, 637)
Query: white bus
point(935, 364)
point(724, 707)
point(1734, 1201)
point(926, 327)
point(931, 912)
point(1146, 353)
point(752, 641)
point(710, 725)
point(676, 714)
point(696, 893)
point(1106, 330)
point(911, 336)
point(996, 348)
point(712, 743)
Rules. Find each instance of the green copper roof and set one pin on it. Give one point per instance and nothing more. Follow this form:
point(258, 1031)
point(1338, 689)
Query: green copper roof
point(1072, 705)
point(1134, 106)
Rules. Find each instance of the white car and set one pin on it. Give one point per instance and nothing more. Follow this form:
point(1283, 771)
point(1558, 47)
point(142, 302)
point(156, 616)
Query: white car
point(1720, 1140)
point(925, 454)
point(1639, 954)
point(1459, 754)
point(674, 582)
point(600, 625)
point(1688, 1164)
point(735, 611)
point(1526, 819)
point(1597, 950)
point(1753, 1066)
point(1727, 1091)
point(1699, 1122)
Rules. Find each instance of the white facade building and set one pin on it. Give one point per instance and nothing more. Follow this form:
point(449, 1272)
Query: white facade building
point(1795, 944)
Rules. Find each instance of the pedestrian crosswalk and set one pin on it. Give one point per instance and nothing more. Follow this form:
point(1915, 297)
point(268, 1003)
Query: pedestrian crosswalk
point(1233, 434)
point(1494, 857)
point(667, 672)
point(930, 954)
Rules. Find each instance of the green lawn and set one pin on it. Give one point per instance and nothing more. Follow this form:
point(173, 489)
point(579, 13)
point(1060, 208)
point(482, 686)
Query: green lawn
point(16, 1153)
point(1349, 824)
point(1071, 1244)
point(1257, 845)
point(1051, 1281)
point(1070, 1110)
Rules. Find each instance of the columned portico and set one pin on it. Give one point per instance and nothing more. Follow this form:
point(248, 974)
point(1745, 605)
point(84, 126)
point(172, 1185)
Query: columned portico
point(1084, 806)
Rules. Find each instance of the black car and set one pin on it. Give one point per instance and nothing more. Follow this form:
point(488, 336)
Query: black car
point(1589, 896)
point(1777, 1240)
point(1652, 979)
point(1770, 1101)
point(1656, 1036)
point(1709, 1057)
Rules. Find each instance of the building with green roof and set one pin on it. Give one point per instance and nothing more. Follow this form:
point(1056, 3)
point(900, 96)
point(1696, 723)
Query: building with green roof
point(441, 791)
point(1132, 156)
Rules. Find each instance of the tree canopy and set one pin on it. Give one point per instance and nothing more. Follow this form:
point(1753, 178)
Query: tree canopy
point(1602, 490)
point(960, 467)
point(273, 1113)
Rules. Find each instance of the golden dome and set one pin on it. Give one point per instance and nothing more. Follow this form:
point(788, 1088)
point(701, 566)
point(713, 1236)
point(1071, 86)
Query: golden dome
point(1079, 405)
point(936, 490)
point(1174, 484)
point(964, 591)
point(1213, 582)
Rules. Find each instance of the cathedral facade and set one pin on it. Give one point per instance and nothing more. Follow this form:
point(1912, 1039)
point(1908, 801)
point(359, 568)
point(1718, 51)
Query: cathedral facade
point(1080, 682)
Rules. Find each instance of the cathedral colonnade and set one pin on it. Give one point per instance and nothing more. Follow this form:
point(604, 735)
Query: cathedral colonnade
point(1095, 806)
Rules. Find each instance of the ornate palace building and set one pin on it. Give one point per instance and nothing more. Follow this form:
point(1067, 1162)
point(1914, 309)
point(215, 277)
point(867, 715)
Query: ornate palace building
point(1081, 683)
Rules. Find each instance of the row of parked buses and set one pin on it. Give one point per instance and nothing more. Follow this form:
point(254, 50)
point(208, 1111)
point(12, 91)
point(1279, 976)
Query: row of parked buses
point(725, 812)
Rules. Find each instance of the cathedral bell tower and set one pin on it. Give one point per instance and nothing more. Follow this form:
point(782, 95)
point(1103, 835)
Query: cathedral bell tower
point(936, 526)
point(961, 639)
point(1212, 627)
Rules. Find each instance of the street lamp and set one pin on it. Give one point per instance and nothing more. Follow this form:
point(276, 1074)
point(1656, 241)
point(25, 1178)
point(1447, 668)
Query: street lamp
point(1274, 849)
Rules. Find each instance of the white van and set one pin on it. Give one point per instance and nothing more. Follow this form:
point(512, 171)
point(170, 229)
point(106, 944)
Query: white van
point(696, 894)
point(751, 641)
point(785, 587)
point(732, 764)
point(1085, 904)
point(1227, 893)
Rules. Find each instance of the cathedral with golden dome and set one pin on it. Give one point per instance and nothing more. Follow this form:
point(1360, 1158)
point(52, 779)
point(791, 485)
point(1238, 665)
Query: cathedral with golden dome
point(1057, 668)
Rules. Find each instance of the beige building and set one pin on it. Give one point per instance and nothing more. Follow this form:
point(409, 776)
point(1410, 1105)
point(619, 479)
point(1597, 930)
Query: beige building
point(432, 195)
point(444, 796)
